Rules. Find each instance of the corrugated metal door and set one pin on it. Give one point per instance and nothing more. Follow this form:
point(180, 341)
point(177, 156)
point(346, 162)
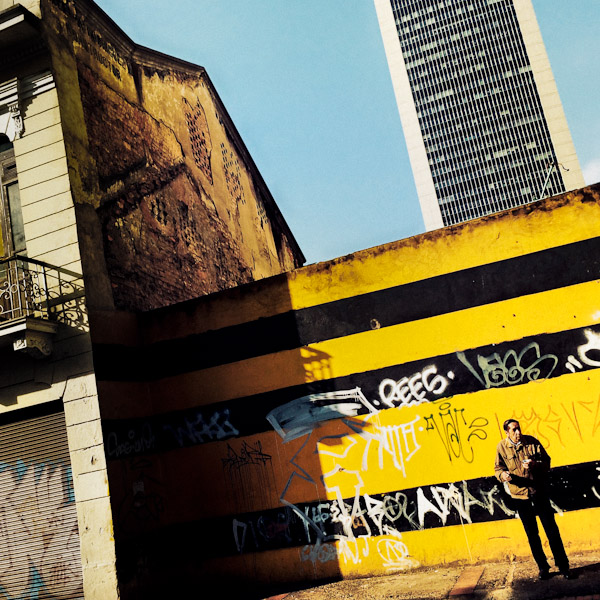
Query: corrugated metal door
point(39, 539)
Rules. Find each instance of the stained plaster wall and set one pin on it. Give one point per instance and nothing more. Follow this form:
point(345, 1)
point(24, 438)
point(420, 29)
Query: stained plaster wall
point(169, 202)
point(342, 420)
point(66, 375)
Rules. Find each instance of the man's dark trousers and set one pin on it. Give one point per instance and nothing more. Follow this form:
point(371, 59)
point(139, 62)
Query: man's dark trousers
point(539, 505)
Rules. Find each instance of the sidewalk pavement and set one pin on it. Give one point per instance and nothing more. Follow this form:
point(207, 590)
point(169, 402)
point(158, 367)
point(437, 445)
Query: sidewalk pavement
point(487, 581)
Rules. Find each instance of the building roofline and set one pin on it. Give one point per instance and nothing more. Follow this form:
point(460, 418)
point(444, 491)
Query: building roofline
point(153, 59)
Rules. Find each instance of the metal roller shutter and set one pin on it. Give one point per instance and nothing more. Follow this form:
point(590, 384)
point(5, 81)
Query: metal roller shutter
point(39, 538)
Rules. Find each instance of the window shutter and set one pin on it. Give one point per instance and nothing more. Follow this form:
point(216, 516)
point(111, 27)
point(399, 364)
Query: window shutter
point(39, 538)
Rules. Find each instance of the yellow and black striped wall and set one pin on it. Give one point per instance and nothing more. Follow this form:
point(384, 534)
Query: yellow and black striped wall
point(342, 420)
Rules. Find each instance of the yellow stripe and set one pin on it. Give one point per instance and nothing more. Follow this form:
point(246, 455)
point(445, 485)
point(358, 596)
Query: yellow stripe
point(454, 440)
point(504, 236)
point(494, 541)
point(447, 250)
point(384, 555)
point(547, 312)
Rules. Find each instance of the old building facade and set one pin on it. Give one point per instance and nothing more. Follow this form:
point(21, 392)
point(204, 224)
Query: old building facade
point(125, 186)
point(336, 420)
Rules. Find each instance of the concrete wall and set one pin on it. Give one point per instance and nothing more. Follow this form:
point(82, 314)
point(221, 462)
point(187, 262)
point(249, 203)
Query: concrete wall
point(342, 420)
point(170, 204)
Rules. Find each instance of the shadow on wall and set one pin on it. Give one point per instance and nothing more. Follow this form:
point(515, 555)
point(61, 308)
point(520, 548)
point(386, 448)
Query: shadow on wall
point(210, 429)
point(253, 440)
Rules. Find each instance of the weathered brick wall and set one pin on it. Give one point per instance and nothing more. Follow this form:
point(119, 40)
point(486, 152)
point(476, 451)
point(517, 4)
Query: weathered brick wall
point(163, 239)
point(181, 210)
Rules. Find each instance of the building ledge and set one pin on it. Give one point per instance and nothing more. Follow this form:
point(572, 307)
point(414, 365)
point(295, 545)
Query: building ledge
point(18, 27)
point(35, 298)
point(30, 335)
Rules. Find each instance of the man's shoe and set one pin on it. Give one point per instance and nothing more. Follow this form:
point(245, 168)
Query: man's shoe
point(568, 574)
point(544, 574)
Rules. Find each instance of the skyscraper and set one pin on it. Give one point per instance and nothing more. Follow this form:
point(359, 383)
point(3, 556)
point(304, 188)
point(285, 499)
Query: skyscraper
point(483, 122)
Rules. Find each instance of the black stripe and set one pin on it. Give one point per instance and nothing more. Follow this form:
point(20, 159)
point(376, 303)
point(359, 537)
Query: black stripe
point(533, 273)
point(509, 363)
point(572, 487)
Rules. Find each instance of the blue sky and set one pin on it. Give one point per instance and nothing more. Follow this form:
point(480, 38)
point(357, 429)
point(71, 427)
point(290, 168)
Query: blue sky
point(307, 85)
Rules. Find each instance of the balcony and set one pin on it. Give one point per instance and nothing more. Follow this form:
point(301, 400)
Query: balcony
point(34, 298)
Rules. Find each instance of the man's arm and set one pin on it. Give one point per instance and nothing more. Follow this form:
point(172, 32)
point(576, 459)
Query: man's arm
point(500, 468)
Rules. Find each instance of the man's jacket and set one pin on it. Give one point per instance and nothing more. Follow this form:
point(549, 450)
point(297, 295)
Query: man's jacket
point(524, 482)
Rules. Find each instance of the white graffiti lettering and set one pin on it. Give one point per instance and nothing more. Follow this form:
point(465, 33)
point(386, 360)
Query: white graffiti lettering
point(349, 549)
point(413, 390)
point(300, 416)
point(594, 490)
point(592, 345)
point(353, 523)
point(394, 554)
point(346, 522)
point(398, 442)
point(513, 368)
point(461, 500)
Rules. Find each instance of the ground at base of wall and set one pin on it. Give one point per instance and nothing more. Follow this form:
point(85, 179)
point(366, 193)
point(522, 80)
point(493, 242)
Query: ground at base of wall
point(498, 581)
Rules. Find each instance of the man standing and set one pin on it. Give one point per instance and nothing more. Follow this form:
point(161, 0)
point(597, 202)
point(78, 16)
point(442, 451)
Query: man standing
point(523, 464)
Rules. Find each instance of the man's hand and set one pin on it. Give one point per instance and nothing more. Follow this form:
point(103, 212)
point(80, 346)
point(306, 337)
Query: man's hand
point(505, 476)
point(527, 463)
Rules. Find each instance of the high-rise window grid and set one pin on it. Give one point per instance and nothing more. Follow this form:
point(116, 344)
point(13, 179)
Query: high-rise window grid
point(480, 115)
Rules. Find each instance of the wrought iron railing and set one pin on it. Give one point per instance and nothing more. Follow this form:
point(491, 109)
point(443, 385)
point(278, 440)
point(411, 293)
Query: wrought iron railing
point(32, 288)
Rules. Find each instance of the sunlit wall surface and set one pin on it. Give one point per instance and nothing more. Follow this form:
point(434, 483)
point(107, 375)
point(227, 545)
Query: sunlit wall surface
point(342, 419)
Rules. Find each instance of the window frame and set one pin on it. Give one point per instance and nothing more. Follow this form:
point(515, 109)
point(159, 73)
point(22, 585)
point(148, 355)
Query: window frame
point(9, 177)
